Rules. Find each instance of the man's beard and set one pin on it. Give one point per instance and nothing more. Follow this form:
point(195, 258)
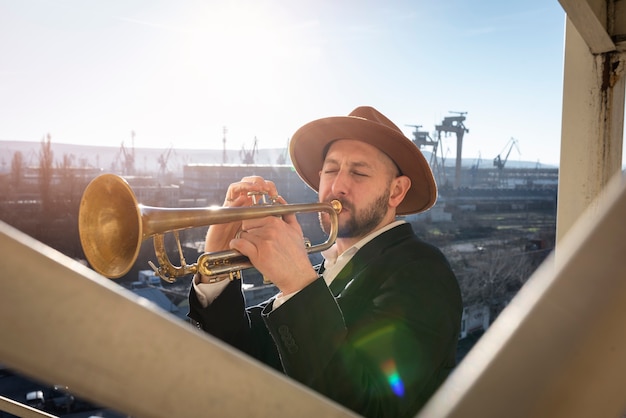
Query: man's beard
point(362, 223)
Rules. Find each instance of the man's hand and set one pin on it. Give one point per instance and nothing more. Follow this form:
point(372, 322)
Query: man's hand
point(275, 246)
point(219, 236)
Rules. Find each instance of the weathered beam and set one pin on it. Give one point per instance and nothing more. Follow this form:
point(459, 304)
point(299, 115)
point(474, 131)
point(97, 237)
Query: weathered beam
point(592, 126)
point(591, 19)
point(619, 25)
point(62, 323)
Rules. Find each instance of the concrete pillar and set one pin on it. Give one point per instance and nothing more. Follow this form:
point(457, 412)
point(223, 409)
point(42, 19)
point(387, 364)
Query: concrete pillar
point(592, 127)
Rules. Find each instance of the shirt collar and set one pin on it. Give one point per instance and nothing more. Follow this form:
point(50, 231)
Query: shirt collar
point(335, 262)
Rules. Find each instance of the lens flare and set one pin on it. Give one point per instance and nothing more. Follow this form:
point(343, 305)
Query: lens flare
point(377, 344)
point(393, 377)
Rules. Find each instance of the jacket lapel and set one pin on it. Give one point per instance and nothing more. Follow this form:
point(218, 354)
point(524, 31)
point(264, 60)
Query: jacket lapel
point(348, 278)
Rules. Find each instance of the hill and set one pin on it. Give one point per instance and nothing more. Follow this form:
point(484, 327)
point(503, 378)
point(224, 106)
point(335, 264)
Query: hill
point(147, 160)
point(150, 160)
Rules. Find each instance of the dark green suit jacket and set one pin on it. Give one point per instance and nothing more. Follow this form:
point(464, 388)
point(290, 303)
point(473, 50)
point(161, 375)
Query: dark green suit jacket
point(380, 341)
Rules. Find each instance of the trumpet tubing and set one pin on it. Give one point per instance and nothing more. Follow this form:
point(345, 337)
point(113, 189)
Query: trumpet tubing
point(112, 225)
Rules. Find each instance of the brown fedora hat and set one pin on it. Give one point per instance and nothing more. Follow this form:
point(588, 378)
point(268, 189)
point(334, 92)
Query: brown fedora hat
point(311, 141)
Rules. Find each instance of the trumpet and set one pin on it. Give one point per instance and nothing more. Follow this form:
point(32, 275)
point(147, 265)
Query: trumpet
point(112, 226)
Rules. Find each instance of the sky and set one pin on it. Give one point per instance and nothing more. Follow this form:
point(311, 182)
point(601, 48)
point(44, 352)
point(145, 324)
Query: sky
point(189, 73)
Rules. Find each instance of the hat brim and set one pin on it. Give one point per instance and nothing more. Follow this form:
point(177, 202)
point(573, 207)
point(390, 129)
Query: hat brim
point(308, 144)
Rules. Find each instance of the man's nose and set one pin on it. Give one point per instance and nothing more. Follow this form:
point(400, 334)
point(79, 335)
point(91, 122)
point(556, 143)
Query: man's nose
point(340, 185)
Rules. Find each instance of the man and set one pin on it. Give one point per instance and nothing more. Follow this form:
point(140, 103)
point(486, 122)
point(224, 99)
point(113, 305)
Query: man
point(375, 327)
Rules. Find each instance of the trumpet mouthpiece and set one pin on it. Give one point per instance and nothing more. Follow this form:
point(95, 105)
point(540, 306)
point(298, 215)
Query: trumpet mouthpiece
point(337, 206)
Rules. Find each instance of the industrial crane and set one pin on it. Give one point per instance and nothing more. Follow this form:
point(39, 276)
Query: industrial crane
point(282, 157)
point(498, 161)
point(163, 159)
point(475, 167)
point(128, 166)
point(454, 124)
point(478, 161)
point(247, 157)
point(224, 155)
point(423, 139)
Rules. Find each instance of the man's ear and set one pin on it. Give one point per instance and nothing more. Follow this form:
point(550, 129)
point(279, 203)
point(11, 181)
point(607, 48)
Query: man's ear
point(399, 188)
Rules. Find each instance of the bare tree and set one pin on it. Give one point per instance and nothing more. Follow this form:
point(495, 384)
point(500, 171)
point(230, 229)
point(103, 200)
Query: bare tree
point(45, 171)
point(17, 169)
point(494, 277)
point(66, 174)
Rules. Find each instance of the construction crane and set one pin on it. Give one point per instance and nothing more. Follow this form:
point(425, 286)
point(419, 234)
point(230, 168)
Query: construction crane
point(282, 157)
point(163, 159)
point(454, 124)
point(128, 167)
point(247, 157)
point(224, 155)
point(498, 161)
point(423, 139)
point(478, 161)
point(475, 167)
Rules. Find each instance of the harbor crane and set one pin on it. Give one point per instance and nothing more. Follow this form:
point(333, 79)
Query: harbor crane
point(498, 161)
point(163, 159)
point(423, 139)
point(128, 167)
point(454, 124)
point(282, 157)
point(224, 155)
point(247, 157)
point(475, 167)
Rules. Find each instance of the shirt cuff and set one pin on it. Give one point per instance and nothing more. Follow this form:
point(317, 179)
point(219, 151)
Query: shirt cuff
point(280, 299)
point(208, 292)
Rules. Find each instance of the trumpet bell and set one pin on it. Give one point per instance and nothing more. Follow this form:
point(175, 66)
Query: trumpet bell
point(110, 225)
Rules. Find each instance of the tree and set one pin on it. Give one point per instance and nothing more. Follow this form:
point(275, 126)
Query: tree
point(17, 169)
point(46, 158)
point(66, 174)
point(494, 277)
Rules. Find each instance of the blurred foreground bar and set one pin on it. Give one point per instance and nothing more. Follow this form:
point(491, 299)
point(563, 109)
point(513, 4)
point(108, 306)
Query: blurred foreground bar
point(62, 323)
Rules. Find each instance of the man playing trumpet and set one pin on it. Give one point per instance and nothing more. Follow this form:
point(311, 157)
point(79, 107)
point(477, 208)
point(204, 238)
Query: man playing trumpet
point(375, 326)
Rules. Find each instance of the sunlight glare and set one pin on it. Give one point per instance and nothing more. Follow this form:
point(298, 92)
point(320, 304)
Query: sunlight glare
point(242, 54)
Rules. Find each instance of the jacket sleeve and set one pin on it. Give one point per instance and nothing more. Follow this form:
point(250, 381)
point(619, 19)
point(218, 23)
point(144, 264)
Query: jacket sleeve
point(227, 319)
point(397, 349)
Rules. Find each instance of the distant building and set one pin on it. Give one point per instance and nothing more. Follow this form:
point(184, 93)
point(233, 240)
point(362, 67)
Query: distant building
point(149, 191)
point(210, 181)
point(206, 185)
point(475, 318)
